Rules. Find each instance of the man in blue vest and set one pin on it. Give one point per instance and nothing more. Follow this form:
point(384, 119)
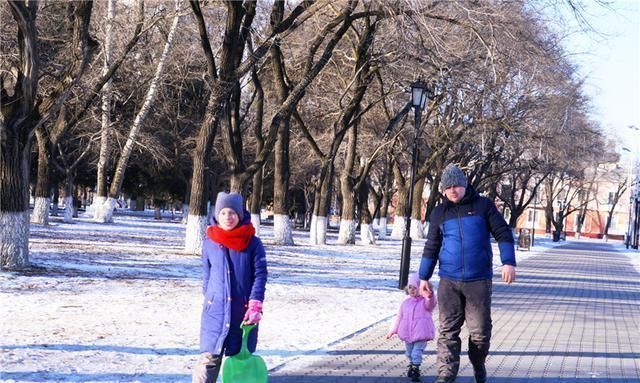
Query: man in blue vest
point(459, 241)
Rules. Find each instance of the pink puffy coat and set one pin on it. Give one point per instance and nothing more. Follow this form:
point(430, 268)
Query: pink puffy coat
point(414, 321)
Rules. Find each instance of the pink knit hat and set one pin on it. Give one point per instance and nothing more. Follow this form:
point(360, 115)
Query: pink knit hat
point(414, 280)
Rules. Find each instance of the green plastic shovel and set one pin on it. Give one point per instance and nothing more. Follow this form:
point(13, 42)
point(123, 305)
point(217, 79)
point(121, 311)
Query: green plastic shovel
point(244, 367)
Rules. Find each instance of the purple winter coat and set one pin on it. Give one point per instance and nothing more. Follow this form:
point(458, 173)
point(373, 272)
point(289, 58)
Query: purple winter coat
point(230, 279)
point(414, 321)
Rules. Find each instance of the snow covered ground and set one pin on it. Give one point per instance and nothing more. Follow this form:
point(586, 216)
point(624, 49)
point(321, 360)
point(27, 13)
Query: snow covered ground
point(121, 302)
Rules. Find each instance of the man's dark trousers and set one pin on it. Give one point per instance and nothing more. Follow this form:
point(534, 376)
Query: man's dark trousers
point(457, 302)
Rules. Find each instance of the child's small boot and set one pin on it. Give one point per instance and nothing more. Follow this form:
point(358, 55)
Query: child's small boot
point(414, 372)
point(207, 369)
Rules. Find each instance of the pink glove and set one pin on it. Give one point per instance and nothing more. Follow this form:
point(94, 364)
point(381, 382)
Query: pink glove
point(254, 312)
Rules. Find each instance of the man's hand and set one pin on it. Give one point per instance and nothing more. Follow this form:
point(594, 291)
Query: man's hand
point(425, 289)
point(508, 274)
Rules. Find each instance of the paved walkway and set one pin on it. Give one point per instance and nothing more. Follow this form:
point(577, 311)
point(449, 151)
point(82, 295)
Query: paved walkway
point(572, 316)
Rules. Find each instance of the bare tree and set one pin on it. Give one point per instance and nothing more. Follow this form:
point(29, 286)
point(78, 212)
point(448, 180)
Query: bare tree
point(22, 114)
point(105, 213)
point(222, 81)
point(105, 139)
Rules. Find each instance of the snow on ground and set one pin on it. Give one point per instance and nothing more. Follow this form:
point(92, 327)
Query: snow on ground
point(633, 255)
point(121, 302)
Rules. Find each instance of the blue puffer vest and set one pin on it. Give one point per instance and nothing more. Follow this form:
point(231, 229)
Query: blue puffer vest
point(459, 239)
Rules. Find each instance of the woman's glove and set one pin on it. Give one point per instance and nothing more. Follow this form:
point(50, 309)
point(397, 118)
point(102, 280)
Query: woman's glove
point(254, 312)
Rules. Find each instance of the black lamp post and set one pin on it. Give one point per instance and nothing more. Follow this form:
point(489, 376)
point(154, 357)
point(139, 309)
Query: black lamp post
point(419, 95)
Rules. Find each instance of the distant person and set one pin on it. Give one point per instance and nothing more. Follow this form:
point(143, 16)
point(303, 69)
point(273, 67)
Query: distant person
point(414, 325)
point(459, 241)
point(234, 277)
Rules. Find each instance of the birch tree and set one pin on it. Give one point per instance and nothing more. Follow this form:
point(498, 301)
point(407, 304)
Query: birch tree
point(105, 213)
point(105, 130)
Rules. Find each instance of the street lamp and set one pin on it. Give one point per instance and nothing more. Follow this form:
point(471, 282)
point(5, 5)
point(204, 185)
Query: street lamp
point(634, 202)
point(419, 94)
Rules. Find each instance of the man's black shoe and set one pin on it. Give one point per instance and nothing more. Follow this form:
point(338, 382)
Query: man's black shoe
point(445, 379)
point(480, 374)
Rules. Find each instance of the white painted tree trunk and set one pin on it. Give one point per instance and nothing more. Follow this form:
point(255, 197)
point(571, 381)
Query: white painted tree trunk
point(195, 234)
point(397, 231)
point(318, 230)
point(282, 232)
point(185, 213)
point(255, 220)
point(106, 211)
point(417, 230)
point(313, 230)
point(96, 208)
point(382, 229)
point(347, 233)
point(68, 209)
point(367, 235)
point(40, 213)
point(14, 240)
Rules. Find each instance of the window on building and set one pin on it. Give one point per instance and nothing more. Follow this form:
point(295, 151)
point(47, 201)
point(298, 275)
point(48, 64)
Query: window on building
point(617, 223)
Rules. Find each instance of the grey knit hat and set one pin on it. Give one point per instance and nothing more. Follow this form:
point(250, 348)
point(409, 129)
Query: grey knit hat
point(452, 176)
point(230, 200)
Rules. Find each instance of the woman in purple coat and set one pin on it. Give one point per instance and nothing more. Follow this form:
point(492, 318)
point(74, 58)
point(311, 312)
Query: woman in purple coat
point(234, 277)
point(414, 325)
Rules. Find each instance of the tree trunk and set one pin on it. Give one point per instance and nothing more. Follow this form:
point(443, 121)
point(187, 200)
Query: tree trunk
point(17, 124)
point(399, 225)
point(256, 200)
point(322, 200)
point(386, 199)
point(14, 212)
point(256, 195)
point(347, 234)
point(55, 201)
point(282, 227)
point(68, 199)
point(123, 161)
point(197, 218)
point(105, 131)
point(417, 229)
point(548, 215)
point(40, 213)
point(367, 236)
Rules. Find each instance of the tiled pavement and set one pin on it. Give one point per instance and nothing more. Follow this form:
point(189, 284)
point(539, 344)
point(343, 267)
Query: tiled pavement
point(572, 316)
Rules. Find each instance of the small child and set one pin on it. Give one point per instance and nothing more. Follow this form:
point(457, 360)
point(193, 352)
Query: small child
point(414, 324)
point(234, 277)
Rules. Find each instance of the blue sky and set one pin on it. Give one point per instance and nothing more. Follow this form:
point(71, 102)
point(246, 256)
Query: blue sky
point(610, 62)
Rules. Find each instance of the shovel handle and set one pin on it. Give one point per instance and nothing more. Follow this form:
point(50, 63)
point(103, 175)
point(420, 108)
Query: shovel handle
point(246, 330)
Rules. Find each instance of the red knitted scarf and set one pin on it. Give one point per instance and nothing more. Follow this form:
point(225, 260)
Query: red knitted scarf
point(236, 239)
